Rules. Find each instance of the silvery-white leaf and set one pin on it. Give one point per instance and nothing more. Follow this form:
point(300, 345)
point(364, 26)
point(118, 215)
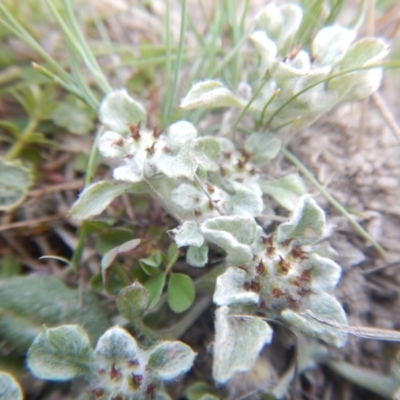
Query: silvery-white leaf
point(238, 342)
point(230, 289)
point(331, 44)
point(286, 191)
point(234, 234)
point(325, 306)
point(188, 197)
point(188, 234)
point(292, 17)
point(130, 172)
point(325, 273)
point(179, 134)
point(118, 110)
point(210, 93)
point(113, 145)
point(169, 359)
point(206, 151)
point(181, 165)
point(301, 62)
point(263, 147)
point(270, 19)
point(306, 224)
point(247, 200)
point(116, 344)
point(266, 48)
point(197, 256)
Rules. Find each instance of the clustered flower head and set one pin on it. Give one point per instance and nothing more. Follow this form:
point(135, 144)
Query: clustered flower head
point(216, 190)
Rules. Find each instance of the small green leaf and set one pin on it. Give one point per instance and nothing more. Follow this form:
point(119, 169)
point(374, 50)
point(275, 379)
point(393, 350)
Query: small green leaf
point(306, 225)
point(238, 341)
point(118, 110)
point(96, 283)
point(91, 227)
point(9, 387)
point(10, 266)
point(10, 127)
point(15, 181)
point(96, 198)
point(168, 360)
point(132, 301)
point(181, 292)
point(148, 270)
point(200, 391)
point(210, 93)
point(60, 353)
point(172, 254)
point(154, 261)
point(116, 344)
point(111, 238)
point(155, 286)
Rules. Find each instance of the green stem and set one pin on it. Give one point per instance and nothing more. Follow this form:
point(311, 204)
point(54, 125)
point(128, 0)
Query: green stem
point(179, 328)
point(382, 385)
point(9, 74)
point(92, 157)
point(303, 169)
point(78, 253)
point(327, 79)
point(270, 100)
point(249, 103)
point(80, 247)
point(22, 140)
point(204, 285)
point(172, 261)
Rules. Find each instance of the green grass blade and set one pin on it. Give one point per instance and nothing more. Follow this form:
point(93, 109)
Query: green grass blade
point(17, 29)
point(87, 93)
point(168, 62)
point(178, 65)
point(86, 52)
